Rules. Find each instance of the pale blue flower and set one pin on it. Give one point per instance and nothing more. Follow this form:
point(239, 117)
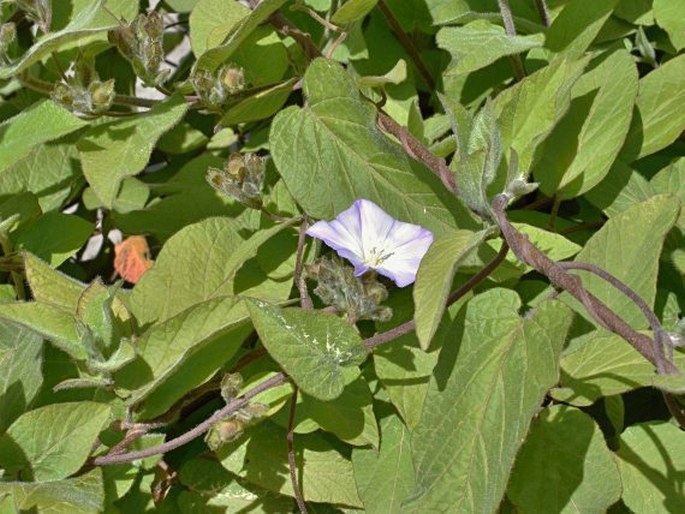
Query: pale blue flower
point(370, 238)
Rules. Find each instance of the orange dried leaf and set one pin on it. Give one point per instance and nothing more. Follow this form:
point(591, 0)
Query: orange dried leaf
point(132, 258)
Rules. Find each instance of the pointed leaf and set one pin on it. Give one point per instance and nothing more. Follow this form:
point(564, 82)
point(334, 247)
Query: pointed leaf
point(211, 21)
point(671, 17)
point(494, 375)
point(218, 55)
point(434, 279)
point(21, 360)
point(261, 459)
point(576, 26)
point(477, 44)
point(183, 352)
point(118, 149)
point(51, 322)
point(73, 230)
point(650, 456)
point(566, 483)
point(80, 26)
point(385, 477)
point(334, 143)
point(659, 120)
point(84, 494)
point(582, 148)
point(52, 442)
point(40, 123)
point(317, 349)
point(528, 111)
point(628, 246)
point(51, 286)
point(217, 248)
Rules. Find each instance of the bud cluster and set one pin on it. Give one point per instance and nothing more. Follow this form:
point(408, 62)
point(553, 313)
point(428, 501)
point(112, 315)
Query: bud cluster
point(83, 92)
point(140, 42)
point(214, 88)
point(38, 11)
point(233, 426)
point(242, 178)
point(358, 297)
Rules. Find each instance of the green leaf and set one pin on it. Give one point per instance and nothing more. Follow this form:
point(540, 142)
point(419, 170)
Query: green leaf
point(50, 171)
point(211, 21)
point(183, 352)
point(603, 365)
point(52, 442)
point(118, 149)
point(84, 494)
point(80, 26)
point(559, 464)
point(51, 286)
point(385, 477)
point(353, 10)
point(38, 238)
point(323, 473)
point(477, 44)
point(18, 210)
point(650, 456)
point(529, 110)
point(581, 149)
point(659, 120)
point(216, 247)
point(214, 57)
point(576, 26)
point(494, 375)
point(259, 106)
point(40, 123)
point(434, 279)
point(671, 17)
point(402, 367)
point(671, 179)
point(21, 360)
point(620, 189)
point(51, 322)
point(188, 199)
point(628, 246)
point(674, 384)
point(334, 144)
point(320, 351)
point(350, 416)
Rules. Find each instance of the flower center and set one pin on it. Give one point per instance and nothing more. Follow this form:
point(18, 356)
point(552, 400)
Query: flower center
point(375, 257)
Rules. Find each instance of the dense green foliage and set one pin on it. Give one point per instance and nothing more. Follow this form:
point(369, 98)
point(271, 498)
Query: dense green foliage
point(236, 364)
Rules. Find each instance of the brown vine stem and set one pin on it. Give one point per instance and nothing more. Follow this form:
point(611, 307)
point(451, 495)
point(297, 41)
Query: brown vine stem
point(281, 24)
point(531, 255)
point(655, 325)
point(543, 11)
point(106, 460)
point(417, 151)
point(404, 328)
point(407, 44)
point(510, 29)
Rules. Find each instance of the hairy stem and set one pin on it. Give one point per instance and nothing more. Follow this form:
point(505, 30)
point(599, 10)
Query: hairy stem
point(196, 432)
point(417, 151)
point(531, 255)
point(510, 29)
